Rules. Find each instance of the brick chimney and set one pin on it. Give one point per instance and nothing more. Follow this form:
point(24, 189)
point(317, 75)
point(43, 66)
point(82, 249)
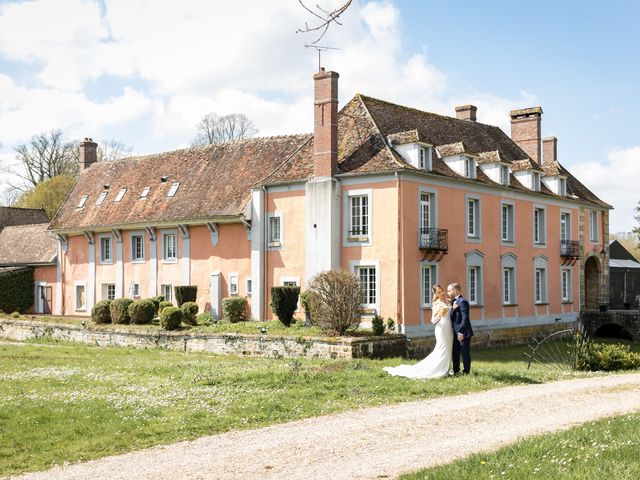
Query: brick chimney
point(525, 131)
point(88, 153)
point(466, 112)
point(325, 130)
point(549, 150)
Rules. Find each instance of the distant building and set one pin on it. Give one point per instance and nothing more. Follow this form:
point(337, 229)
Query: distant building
point(624, 277)
point(10, 216)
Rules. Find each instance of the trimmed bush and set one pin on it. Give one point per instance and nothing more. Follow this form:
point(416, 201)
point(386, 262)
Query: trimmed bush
point(170, 318)
point(16, 290)
point(284, 301)
point(336, 301)
point(205, 318)
point(186, 293)
point(234, 309)
point(101, 312)
point(160, 298)
point(164, 304)
point(142, 311)
point(377, 325)
point(305, 301)
point(607, 357)
point(120, 310)
point(156, 304)
point(189, 312)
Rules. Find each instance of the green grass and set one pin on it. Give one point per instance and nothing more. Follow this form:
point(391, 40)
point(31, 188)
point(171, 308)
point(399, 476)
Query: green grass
point(605, 449)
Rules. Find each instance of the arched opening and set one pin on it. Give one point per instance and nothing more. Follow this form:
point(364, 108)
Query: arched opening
point(613, 330)
point(591, 284)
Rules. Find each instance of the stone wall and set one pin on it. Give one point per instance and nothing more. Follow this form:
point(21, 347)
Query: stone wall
point(222, 344)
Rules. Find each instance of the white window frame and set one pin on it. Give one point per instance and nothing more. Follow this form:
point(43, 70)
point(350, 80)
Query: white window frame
point(101, 198)
point(567, 231)
point(425, 157)
point(539, 232)
point(562, 186)
point(174, 189)
point(234, 284)
point(475, 260)
point(508, 262)
point(82, 308)
point(134, 286)
point(565, 274)
point(82, 201)
point(120, 195)
point(504, 175)
point(469, 167)
point(354, 267)
point(540, 282)
point(535, 181)
point(248, 286)
point(134, 258)
point(426, 295)
point(593, 226)
point(165, 257)
point(145, 193)
point(103, 258)
point(164, 289)
point(274, 244)
point(357, 240)
point(105, 291)
point(510, 240)
point(477, 221)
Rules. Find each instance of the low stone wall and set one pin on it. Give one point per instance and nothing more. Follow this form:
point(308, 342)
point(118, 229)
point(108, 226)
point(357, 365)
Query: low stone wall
point(222, 344)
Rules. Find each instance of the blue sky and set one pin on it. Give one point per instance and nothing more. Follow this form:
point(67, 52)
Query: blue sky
point(143, 73)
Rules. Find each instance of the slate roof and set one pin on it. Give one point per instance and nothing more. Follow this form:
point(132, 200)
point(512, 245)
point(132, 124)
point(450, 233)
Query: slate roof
point(10, 216)
point(27, 245)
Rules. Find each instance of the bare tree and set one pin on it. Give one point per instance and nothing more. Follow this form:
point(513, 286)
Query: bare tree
point(326, 18)
point(214, 129)
point(111, 150)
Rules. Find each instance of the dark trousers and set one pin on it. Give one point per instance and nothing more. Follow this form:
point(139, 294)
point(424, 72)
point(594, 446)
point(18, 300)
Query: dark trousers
point(464, 348)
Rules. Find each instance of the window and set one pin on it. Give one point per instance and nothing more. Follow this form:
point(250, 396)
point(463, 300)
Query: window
point(233, 284)
point(507, 223)
point(108, 291)
point(565, 284)
point(169, 247)
point(426, 205)
point(80, 297)
point(473, 218)
point(474, 285)
point(539, 226)
point(565, 226)
point(137, 248)
point(105, 249)
point(469, 167)
point(359, 215)
point(535, 181)
point(540, 285)
point(83, 200)
point(134, 291)
point(504, 175)
point(174, 188)
point(101, 198)
point(427, 280)
point(593, 226)
point(562, 186)
point(249, 286)
point(508, 286)
point(367, 276)
point(120, 195)
point(424, 158)
point(145, 192)
point(167, 292)
point(275, 235)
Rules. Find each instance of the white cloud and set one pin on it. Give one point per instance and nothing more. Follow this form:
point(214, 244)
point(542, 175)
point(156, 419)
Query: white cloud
point(615, 181)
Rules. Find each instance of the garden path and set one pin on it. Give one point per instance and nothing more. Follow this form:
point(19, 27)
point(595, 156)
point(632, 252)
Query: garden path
point(380, 442)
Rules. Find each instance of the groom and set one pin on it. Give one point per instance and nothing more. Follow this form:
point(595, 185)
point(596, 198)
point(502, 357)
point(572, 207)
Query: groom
point(462, 330)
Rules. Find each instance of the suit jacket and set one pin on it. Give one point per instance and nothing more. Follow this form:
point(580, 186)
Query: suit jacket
point(460, 317)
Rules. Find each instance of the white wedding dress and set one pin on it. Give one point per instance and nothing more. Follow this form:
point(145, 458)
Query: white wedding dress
point(437, 363)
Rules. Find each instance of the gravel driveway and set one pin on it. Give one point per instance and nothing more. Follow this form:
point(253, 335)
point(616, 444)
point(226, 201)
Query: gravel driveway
point(379, 442)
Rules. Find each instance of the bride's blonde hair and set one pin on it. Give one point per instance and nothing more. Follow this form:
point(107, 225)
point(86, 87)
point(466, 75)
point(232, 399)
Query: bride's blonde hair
point(434, 289)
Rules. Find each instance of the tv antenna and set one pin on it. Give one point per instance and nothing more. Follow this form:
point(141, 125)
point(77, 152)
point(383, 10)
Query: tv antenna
point(320, 49)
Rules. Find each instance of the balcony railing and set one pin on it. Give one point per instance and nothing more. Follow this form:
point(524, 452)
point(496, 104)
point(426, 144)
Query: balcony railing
point(434, 239)
point(569, 248)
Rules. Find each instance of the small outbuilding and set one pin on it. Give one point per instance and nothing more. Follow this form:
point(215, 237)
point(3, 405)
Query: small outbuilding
point(624, 278)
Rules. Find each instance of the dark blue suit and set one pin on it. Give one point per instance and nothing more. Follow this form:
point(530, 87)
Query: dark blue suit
point(461, 324)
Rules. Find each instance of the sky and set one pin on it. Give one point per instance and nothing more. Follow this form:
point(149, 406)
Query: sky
point(144, 73)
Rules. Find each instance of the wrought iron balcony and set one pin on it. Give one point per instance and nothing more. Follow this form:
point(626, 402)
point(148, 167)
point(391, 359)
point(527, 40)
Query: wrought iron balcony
point(569, 248)
point(434, 239)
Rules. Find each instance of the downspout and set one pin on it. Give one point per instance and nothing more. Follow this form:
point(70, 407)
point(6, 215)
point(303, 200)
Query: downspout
point(400, 253)
point(264, 256)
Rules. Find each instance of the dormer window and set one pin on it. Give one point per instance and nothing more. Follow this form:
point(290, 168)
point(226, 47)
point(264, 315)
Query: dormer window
point(82, 201)
point(174, 188)
point(101, 198)
point(424, 158)
point(469, 167)
point(504, 175)
point(535, 181)
point(562, 186)
point(120, 195)
point(145, 192)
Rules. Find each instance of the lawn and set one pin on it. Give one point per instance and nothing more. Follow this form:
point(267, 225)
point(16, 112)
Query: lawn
point(63, 402)
point(596, 450)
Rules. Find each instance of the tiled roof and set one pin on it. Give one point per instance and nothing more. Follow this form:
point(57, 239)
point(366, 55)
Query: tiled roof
point(411, 136)
point(26, 245)
point(21, 216)
point(490, 157)
point(451, 149)
point(527, 164)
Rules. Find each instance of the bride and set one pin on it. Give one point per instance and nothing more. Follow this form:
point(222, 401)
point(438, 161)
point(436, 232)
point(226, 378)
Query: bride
point(437, 362)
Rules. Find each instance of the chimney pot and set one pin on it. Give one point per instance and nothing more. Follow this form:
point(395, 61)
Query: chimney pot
point(526, 131)
point(325, 131)
point(88, 153)
point(466, 112)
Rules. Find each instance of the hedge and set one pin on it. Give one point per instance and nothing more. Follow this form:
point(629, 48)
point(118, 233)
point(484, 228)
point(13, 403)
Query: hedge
point(234, 309)
point(284, 301)
point(101, 312)
point(170, 318)
point(120, 310)
point(142, 311)
point(16, 290)
point(186, 293)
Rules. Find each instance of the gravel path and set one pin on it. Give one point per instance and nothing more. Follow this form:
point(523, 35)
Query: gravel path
point(380, 442)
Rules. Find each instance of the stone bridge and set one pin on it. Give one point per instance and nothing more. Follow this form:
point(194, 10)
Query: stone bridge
point(612, 323)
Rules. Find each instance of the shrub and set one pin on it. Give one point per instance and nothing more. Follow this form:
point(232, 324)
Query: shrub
point(284, 301)
point(164, 304)
point(606, 357)
point(101, 312)
point(377, 325)
point(391, 325)
point(205, 318)
point(186, 293)
point(160, 298)
point(336, 301)
point(305, 301)
point(156, 304)
point(170, 318)
point(16, 290)
point(15, 314)
point(142, 311)
point(189, 312)
point(234, 309)
point(120, 310)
